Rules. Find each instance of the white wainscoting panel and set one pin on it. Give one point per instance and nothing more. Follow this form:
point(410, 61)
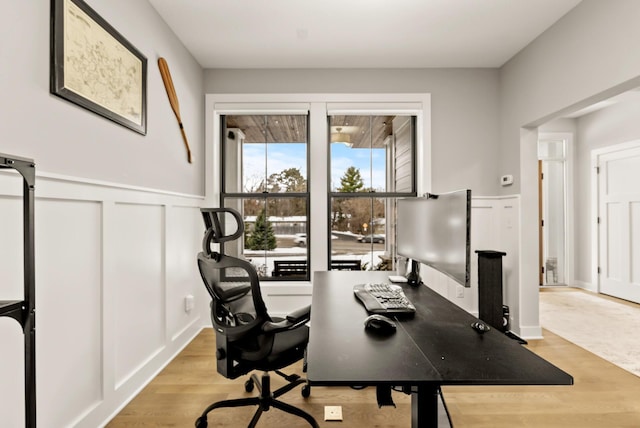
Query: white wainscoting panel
point(184, 232)
point(500, 231)
point(494, 226)
point(137, 279)
point(11, 246)
point(113, 266)
point(509, 236)
point(11, 371)
point(68, 309)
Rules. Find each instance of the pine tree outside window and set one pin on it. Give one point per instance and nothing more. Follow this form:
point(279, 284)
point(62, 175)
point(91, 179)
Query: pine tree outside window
point(265, 178)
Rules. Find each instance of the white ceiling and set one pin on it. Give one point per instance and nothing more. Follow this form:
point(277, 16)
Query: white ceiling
point(358, 33)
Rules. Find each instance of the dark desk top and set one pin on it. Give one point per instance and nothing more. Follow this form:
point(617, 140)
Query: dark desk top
point(436, 346)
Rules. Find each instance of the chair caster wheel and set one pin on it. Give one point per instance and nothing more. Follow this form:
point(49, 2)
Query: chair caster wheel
point(201, 422)
point(306, 391)
point(248, 385)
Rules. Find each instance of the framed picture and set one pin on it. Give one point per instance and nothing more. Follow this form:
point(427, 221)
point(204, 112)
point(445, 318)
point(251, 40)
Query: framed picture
point(93, 66)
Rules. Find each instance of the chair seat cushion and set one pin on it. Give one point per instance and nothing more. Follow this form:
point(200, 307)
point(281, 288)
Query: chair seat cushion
point(288, 347)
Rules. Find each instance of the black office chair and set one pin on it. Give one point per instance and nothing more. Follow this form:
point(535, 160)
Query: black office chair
point(247, 338)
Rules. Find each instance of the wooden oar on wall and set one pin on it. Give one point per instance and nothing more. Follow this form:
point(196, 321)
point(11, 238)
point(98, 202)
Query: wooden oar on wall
point(173, 99)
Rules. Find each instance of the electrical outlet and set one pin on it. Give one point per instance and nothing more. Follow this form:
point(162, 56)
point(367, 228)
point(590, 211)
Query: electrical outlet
point(188, 303)
point(332, 413)
point(459, 291)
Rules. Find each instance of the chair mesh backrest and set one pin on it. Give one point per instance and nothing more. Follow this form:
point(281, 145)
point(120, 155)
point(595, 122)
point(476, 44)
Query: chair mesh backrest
point(237, 306)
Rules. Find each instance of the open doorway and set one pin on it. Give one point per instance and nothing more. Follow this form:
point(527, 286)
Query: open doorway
point(552, 187)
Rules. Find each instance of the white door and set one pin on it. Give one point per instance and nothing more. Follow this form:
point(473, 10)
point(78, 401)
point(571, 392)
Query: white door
point(619, 227)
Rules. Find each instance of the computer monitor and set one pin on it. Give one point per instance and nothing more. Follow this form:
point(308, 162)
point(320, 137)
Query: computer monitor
point(435, 230)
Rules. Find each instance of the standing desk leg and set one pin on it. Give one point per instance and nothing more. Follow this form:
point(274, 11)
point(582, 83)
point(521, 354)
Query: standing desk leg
point(424, 407)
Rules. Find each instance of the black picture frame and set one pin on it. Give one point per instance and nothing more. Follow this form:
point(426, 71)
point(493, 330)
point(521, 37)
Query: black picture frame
point(95, 67)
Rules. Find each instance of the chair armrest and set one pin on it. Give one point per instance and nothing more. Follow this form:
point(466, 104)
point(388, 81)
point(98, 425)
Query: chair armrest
point(294, 320)
point(299, 315)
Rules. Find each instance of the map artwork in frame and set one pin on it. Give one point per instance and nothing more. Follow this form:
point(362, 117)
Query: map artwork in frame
point(93, 66)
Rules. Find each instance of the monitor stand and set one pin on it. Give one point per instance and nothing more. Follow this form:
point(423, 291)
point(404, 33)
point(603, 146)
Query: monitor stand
point(413, 276)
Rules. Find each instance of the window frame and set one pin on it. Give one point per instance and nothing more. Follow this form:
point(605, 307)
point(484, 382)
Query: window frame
point(319, 106)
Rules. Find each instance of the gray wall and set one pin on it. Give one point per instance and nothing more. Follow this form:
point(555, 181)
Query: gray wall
point(584, 57)
point(464, 111)
point(587, 56)
point(69, 140)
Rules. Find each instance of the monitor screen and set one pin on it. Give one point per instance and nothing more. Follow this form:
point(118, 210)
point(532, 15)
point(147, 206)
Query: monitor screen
point(435, 230)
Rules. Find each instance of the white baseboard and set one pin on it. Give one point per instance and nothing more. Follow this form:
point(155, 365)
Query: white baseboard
point(585, 285)
point(530, 332)
point(150, 372)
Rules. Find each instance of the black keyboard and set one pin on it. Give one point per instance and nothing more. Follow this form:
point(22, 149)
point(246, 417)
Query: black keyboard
point(383, 298)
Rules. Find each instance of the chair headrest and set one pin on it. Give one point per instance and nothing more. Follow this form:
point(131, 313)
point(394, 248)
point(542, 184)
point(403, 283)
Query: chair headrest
point(214, 220)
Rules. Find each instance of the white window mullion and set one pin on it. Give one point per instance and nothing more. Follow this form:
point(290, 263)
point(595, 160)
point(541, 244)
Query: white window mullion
point(318, 167)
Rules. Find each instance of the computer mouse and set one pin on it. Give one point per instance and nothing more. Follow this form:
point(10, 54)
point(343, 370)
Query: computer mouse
point(379, 324)
point(480, 326)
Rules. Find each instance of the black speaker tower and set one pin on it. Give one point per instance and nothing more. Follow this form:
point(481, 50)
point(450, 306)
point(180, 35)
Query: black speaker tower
point(490, 288)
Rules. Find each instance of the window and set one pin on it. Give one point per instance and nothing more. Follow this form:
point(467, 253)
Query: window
point(372, 164)
point(265, 178)
point(318, 222)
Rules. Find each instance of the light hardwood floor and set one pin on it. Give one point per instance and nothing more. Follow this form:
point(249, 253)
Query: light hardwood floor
point(603, 395)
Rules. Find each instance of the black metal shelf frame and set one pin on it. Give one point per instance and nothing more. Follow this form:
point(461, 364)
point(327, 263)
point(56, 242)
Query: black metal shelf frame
point(24, 311)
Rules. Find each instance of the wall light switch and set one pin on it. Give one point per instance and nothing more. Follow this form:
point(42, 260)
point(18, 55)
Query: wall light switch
point(459, 291)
